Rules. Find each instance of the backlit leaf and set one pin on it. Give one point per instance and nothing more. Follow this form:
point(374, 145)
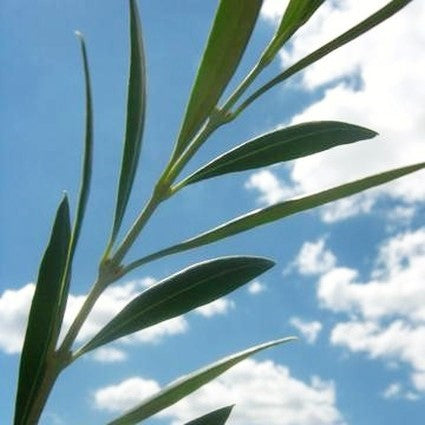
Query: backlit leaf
point(297, 13)
point(182, 292)
point(282, 145)
point(372, 21)
point(136, 106)
point(188, 384)
point(280, 210)
point(43, 315)
point(217, 417)
point(229, 35)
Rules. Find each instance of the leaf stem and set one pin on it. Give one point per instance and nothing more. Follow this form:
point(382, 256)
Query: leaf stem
point(71, 335)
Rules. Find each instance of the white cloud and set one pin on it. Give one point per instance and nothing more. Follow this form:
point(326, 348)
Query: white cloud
point(392, 391)
point(388, 99)
point(396, 286)
point(256, 287)
point(271, 189)
point(314, 258)
point(109, 355)
point(395, 391)
point(15, 305)
point(264, 392)
point(220, 306)
point(387, 310)
point(120, 397)
point(310, 330)
point(272, 9)
point(14, 308)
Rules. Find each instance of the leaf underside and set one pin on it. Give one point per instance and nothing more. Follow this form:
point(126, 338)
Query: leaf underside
point(43, 315)
point(182, 292)
point(187, 384)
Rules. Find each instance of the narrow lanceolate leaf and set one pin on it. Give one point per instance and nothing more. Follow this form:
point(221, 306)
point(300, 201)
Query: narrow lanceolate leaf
point(217, 417)
point(372, 21)
point(88, 152)
point(136, 106)
point(43, 314)
point(193, 287)
point(282, 145)
point(278, 211)
point(84, 187)
point(188, 384)
point(229, 35)
point(297, 13)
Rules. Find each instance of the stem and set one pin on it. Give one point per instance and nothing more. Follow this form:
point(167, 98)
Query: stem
point(137, 227)
point(240, 90)
point(52, 373)
point(82, 315)
point(364, 26)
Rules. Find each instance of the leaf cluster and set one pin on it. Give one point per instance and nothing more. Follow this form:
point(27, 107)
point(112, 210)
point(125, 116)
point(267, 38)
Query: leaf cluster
point(43, 357)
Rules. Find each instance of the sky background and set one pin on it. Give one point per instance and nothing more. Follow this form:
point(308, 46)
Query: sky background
point(349, 278)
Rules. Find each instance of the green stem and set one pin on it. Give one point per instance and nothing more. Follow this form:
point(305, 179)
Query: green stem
point(244, 85)
point(82, 315)
point(137, 227)
point(364, 26)
point(53, 370)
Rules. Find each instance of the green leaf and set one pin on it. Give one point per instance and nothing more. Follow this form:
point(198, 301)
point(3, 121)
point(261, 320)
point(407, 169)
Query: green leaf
point(297, 13)
point(88, 152)
point(84, 188)
point(190, 288)
point(372, 21)
point(217, 417)
point(136, 106)
point(282, 145)
point(229, 36)
point(275, 212)
point(43, 315)
point(188, 384)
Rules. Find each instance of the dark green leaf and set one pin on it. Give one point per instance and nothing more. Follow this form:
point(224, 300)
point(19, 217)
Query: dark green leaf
point(84, 187)
point(190, 288)
point(217, 417)
point(136, 106)
point(282, 145)
point(88, 153)
point(278, 211)
point(372, 21)
point(43, 315)
point(188, 384)
point(229, 35)
point(297, 13)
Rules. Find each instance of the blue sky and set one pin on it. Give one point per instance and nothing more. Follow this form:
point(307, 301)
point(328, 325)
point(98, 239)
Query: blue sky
point(348, 278)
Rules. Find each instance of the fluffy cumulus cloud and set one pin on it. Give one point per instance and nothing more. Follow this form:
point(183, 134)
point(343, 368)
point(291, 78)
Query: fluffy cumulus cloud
point(256, 287)
point(264, 392)
point(309, 330)
point(15, 304)
point(220, 306)
point(14, 307)
point(314, 258)
point(386, 310)
point(359, 84)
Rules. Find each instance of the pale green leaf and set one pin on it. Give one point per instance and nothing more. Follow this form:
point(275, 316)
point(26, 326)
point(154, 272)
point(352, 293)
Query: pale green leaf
point(282, 145)
point(297, 13)
point(229, 35)
point(280, 210)
point(136, 106)
point(43, 315)
point(188, 384)
point(372, 21)
point(184, 291)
